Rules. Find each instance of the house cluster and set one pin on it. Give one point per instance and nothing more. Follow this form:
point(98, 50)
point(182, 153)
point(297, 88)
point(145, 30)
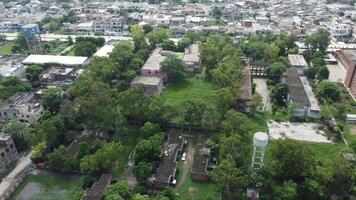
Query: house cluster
point(300, 93)
point(152, 77)
point(60, 73)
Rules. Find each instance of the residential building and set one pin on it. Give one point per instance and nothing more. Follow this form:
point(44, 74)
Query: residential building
point(167, 169)
point(111, 25)
point(10, 26)
point(85, 28)
point(23, 106)
point(152, 66)
point(151, 85)
point(192, 58)
point(8, 152)
point(301, 94)
point(62, 77)
point(96, 191)
point(11, 65)
point(298, 62)
point(244, 100)
point(348, 59)
point(200, 164)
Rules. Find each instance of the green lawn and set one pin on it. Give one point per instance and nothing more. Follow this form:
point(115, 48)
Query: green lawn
point(70, 53)
point(322, 151)
point(192, 190)
point(6, 48)
point(191, 88)
point(51, 188)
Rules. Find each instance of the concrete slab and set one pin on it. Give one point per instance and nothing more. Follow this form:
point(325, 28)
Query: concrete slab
point(261, 88)
point(337, 73)
point(310, 132)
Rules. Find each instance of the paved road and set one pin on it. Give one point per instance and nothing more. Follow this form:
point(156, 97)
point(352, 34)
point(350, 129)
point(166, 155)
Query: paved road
point(261, 88)
point(51, 36)
point(187, 165)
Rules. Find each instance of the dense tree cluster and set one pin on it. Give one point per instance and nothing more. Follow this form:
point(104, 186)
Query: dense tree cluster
point(87, 46)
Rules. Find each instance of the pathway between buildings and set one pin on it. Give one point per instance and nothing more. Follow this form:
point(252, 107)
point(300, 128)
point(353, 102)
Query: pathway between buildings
point(262, 89)
point(187, 164)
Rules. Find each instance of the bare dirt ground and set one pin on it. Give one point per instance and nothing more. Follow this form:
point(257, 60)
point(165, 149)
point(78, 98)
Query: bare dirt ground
point(352, 128)
point(262, 89)
point(187, 164)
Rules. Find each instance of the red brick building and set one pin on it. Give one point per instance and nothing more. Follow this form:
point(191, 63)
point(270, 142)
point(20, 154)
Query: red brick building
point(348, 59)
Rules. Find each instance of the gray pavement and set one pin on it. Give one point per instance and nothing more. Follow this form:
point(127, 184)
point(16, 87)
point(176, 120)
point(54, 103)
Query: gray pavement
point(262, 89)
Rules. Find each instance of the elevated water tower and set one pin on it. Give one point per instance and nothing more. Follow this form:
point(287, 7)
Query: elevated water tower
point(33, 38)
point(260, 141)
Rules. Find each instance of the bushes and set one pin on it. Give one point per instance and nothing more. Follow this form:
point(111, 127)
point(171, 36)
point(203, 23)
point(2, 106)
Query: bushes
point(328, 90)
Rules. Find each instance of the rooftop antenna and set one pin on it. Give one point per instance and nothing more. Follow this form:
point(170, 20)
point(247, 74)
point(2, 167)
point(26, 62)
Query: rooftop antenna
point(260, 141)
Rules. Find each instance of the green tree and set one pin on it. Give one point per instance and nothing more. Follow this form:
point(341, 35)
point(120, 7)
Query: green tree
point(292, 160)
point(279, 94)
point(229, 179)
point(19, 132)
point(138, 37)
point(327, 89)
point(228, 72)
point(271, 53)
point(275, 71)
point(84, 48)
point(319, 40)
point(52, 99)
point(33, 74)
point(123, 53)
point(158, 36)
point(149, 129)
point(287, 191)
point(168, 45)
point(183, 43)
point(173, 67)
point(149, 149)
point(118, 191)
point(323, 73)
point(192, 112)
point(142, 171)
point(38, 152)
point(103, 159)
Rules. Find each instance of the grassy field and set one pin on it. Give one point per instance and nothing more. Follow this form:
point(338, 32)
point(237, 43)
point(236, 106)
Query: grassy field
point(50, 188)
point(192, 190)
point(191, 88)
point(70, 53)
point(322, 151)
point(6, 48)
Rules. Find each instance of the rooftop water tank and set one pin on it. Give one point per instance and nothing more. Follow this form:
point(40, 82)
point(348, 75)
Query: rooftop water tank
point(260, 139)
point(30, 30)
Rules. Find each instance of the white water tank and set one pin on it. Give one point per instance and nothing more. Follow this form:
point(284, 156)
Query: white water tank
point(260, 139)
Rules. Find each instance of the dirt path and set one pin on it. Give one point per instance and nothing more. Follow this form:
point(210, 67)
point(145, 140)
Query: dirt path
point(187, 164)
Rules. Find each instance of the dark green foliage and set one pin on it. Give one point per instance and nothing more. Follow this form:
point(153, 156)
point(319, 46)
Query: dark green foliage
point(148, 150)
point(279, 94)
point(327, 89)
point(142, 171)
point(275, 72)
point(12, 85)
point(168, 45)
point(173, 67)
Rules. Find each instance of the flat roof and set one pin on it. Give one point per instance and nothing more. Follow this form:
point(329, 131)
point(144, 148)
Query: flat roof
point(193, 54)
point(153, 62)
point(104, 51)
point(314, 104)
point(48, 59)
point(146, 80)
point(297, 60)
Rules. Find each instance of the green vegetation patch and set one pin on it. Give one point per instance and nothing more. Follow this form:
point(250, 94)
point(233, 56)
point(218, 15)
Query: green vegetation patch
point(191, 88)
point(6, 48)
point(198, 190)
point(39, 187)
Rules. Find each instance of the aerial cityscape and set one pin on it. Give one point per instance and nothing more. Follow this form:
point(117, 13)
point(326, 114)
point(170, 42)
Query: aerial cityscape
point(178, 100)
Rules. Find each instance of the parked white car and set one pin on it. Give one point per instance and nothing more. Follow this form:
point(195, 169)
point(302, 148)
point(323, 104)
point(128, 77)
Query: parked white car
point(183, 156)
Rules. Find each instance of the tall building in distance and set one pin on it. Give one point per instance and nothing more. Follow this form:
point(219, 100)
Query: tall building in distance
point(33, 38)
